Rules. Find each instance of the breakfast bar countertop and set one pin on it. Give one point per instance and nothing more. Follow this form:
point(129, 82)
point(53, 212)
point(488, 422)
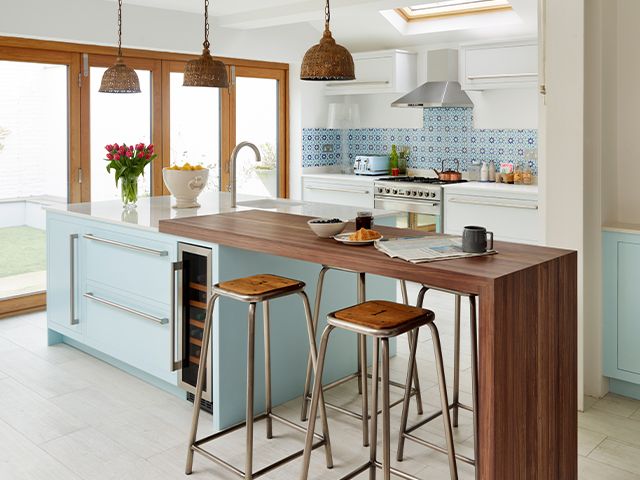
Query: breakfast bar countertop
point(527, 329)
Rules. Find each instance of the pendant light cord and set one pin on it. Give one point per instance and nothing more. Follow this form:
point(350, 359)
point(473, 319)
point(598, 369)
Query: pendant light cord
point(327, 15)
point(119, 28)
point(206, 43)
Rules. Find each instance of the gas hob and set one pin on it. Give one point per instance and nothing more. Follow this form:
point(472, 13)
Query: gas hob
point(418, 188)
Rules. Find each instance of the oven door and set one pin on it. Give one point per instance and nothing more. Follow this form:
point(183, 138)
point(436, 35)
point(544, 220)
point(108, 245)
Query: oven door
point(424, 215)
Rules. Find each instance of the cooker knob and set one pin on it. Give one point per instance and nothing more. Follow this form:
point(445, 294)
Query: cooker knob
point(395, 191)
point(433, 194)
point(407, 193)
point(414, 193)
point(386, 190)
point(420, 194)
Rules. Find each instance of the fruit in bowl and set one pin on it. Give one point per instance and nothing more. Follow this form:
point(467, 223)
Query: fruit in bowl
point(326, 227)
point(185, 183)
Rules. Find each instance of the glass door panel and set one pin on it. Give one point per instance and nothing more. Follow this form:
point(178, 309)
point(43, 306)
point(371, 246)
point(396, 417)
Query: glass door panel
point(34, 168)
point(117, 118)
point(195, 127)
point(257, 121)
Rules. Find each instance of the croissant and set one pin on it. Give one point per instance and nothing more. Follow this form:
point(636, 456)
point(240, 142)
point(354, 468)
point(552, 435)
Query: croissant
point(363, 234)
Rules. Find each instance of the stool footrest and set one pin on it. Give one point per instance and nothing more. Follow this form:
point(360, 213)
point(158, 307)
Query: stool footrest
point(196, 447)
point(366, 466)
point(438, 448)
point(435, 415)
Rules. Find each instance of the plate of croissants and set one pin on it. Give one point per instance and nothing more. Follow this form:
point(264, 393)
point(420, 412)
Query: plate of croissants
point(363, 236)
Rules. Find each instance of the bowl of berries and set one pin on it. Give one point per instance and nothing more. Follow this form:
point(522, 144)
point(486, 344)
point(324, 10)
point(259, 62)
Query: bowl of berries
point(326, 227)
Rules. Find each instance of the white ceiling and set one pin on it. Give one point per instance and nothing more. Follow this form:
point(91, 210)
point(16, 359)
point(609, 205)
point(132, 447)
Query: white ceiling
point(356, 24)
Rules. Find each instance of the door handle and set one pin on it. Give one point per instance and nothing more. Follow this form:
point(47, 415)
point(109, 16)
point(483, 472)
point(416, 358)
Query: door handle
point(72, 279)
point(174, 365)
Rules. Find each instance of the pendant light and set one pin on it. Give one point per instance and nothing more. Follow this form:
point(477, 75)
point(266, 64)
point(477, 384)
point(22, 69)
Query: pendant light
point(204, 71)
point(120, 78)
point(327, 60)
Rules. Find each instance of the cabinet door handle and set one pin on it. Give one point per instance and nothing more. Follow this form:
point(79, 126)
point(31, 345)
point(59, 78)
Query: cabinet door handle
point(175, 268)
point(153, 318)
point(72, 279)
point(357, 84)
point(128, 246)
point(494, 204)
point(501, 75)
point(345, 190)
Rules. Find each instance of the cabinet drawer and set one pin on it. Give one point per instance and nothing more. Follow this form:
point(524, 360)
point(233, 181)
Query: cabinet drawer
point(136, 265)
point(339, 194)
point(134, 332)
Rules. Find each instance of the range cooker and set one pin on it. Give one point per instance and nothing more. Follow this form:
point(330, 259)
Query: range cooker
point(419, 197)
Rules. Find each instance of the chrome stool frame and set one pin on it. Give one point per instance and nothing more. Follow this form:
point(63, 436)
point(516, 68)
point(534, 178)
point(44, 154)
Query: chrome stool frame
point(268, 415)
point(362, 361)
point(381, 342)
point(455, 405)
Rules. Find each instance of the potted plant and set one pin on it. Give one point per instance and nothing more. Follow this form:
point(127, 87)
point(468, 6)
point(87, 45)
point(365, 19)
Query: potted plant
point(128, 163)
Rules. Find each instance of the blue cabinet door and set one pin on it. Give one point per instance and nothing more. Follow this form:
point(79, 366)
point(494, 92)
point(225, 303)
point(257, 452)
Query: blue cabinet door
point(621, 306)
point(64, 242)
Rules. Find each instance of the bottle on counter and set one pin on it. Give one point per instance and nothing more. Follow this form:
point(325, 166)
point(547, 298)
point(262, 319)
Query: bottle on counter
point(403, 160)
point(484, 172)
point(393, 161)
point(474, 171)
point(492, 172)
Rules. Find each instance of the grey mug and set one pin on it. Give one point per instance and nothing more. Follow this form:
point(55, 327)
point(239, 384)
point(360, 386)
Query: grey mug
point(476, 239)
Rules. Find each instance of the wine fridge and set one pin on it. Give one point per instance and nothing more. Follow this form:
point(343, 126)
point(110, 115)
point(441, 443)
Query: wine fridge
point(193, 287)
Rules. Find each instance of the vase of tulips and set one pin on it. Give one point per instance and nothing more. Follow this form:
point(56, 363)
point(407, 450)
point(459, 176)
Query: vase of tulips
point(128, 163)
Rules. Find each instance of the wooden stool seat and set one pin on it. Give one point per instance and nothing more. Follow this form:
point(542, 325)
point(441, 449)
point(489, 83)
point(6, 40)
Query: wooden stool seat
point(381, 318)
point(260, 285)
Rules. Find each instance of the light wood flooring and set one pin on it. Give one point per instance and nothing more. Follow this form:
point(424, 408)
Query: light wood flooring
point(65, 415)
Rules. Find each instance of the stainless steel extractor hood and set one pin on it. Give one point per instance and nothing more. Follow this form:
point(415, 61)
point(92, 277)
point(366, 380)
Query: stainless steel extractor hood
point(442, 88)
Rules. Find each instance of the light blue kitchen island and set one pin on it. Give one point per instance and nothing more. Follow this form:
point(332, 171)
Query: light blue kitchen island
point(118, 289)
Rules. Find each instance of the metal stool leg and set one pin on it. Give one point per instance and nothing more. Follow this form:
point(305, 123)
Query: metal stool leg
point(267, 368)
point(416, 379)
point(206, 334)
point(444, 401)
point(316, 315)
point(315, 398)
point(456, 362)
point(386, 423)
point(313, 357)
point(474, 382)
point(251, 345)
point(362, 340)
point(407, 397)
point(373, 440)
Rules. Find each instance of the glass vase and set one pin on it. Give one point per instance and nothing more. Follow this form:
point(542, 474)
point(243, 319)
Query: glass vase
point(129, 191)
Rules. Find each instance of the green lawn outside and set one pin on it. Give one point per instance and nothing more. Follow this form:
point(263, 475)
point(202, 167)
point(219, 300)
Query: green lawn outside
point(22, 250)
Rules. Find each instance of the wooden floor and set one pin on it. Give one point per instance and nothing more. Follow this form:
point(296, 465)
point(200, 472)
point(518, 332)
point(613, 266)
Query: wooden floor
point(65, 416)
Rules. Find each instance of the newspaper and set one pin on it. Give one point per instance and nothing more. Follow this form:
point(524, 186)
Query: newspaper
point(425, 249)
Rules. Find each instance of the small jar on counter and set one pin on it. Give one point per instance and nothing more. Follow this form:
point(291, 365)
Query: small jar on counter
point(517, 175)
point(527, 176)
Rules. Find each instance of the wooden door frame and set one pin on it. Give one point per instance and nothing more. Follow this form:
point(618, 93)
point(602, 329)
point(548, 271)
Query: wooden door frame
point(155, 67)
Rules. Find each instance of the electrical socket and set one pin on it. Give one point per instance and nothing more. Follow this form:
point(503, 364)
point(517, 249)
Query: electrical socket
point(327, 148)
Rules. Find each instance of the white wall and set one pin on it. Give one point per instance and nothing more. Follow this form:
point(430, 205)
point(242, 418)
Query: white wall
point(561, 167)
point(94, 22)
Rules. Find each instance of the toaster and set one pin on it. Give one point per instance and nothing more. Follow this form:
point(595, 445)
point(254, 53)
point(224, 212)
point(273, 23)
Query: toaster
point(371, 165)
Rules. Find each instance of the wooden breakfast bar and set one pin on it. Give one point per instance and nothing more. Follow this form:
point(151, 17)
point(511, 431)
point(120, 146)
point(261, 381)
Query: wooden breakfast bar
point(527, 329)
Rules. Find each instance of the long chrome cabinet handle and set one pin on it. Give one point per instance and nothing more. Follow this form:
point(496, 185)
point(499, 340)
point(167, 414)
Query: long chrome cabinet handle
point(502, 75)
point(153, 318)
point(72, 279)
point(175, 365)
point(128, 246)
point(494, 204)
point(357, 84)
point(344, 190)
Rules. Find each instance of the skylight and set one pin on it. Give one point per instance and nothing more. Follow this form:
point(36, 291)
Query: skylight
point(447, 8)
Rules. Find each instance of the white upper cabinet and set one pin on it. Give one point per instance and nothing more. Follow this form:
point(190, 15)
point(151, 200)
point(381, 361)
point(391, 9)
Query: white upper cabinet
point(503, 65)
point(386, 71)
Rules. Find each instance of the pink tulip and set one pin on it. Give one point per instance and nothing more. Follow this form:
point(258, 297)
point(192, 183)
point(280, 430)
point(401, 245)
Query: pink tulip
point(147, 156)
point(116, 146)
point(121, 150)
point(110, 156)
point(140, 154)
point(151, 147)
point(108, 148)
point(116, 156)
point(129, 154)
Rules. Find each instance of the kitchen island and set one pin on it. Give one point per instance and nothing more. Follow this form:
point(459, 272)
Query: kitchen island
point(527, 334)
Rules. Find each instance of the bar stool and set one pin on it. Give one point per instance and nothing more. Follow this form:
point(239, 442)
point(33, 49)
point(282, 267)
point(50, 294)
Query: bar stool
point(381, 320)
point(253, 290)
point(361, 343)
point(406, 433)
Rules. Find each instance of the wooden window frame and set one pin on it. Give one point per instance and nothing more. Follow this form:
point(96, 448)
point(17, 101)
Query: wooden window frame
point(409, 16)
point(161, 64)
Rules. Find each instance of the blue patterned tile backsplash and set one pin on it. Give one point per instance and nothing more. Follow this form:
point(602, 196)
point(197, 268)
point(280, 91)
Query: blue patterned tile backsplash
point(447, 134)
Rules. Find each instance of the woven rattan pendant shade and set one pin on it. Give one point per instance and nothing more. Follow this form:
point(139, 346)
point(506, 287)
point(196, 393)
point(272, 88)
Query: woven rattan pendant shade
point(205, 71)
point(327, 60)
point(120, 78)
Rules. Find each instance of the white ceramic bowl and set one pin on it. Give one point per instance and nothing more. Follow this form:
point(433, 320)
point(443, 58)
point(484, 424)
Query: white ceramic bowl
point(185, 185)
point(326, 230)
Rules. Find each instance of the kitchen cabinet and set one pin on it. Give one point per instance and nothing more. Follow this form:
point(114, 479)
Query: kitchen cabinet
point(498, 65)
point(386, 71)
point(334, 189)
point(621, 310)
point(509, 211)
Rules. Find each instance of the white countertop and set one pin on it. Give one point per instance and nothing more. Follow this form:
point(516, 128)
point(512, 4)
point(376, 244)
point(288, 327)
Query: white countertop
point(500, 190)
point(345, 177)
point(150, 210)
point(622, 227)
